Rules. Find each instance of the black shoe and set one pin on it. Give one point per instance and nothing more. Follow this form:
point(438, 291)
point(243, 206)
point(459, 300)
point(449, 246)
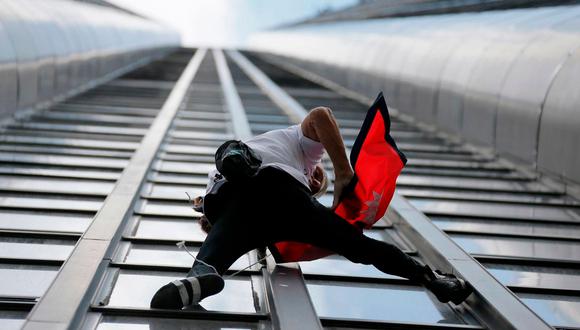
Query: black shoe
point(447, 287)
point(186, 292)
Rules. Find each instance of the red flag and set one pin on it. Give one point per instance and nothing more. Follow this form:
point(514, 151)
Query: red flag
point(377, 162)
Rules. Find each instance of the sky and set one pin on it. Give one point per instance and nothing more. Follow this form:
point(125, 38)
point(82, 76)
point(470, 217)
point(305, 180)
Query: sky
point(226, 23)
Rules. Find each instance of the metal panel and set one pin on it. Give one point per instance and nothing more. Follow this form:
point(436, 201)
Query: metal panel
point(489, 75)
point(460, 67)
point(8, 72)
point(426, 43)
point(25, 49)
point(398, 54)
point(44, 37)
point(527, 85)
point(436, 78)
point(508, 120)
point(559, 135)
point(62, 45)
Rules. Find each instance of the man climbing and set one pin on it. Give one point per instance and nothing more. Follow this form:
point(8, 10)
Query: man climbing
point(266, 196)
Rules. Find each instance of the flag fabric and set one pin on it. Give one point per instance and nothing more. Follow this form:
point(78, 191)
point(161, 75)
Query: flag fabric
point(377, 162)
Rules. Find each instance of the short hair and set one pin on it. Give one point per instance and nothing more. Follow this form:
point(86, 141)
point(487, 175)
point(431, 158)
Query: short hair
point(323, 185)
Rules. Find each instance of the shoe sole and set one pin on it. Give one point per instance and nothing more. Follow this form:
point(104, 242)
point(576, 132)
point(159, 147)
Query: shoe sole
point(467, 290)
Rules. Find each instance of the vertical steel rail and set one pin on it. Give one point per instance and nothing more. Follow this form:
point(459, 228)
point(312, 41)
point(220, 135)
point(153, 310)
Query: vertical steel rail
point(288, 298)
point(492, 303)
point(234, 103)
point(287, 103)
point(66, 301)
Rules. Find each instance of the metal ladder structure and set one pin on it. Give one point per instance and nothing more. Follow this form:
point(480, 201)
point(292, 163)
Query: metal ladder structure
point(93, 205)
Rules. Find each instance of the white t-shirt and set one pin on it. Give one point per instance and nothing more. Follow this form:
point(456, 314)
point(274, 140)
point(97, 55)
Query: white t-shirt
point(287, 149)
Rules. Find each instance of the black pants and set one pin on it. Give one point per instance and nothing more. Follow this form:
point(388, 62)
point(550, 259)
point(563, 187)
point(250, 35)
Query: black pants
point(274, 207)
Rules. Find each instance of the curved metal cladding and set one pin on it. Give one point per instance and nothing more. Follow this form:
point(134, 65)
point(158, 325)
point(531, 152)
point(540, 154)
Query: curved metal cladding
point(505, 79)
point(49, 48)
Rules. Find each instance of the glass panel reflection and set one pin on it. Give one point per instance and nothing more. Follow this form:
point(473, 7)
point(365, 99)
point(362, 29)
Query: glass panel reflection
point(560, 311)
point(57, 204)
point(340, 266)
point(135, 289)
point(55, 186)
point(38, 249)
point(45, 222)
point(64, 160)
point(172, 178)
point(12, 320)
point(166, 209)
point(500, 210)
point(189, 230)
point(536, 279)
point(375, 302)
point(175, 192)
point(25, 281)
point(507, 227)
point(129, 323)
point(184, 167)
point(532, 248)
point(171, 256)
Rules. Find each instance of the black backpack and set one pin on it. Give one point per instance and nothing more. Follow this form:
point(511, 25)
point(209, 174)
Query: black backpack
point(236, 161)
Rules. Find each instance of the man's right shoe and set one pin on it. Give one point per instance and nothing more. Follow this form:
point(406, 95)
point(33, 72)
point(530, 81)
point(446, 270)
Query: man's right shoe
point(186, 292)
point(447, 287)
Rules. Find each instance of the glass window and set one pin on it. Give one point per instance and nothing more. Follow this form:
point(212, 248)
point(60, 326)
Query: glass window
point(483, 196)
point(387, 235)
point(172, 209)
point(64, 160)
point(133, 323)
point(340, 266)
point(58, 172)
point(531, 248)
point(25, 281)
point(504, 227)
point(481, 209)
point(485, 184)
point(173, 229)
point(134, 289)
point(558, 311)
point(535, 279)
point(201, 125)
point(37, 249)
point(202, 113)
point(170, 256)
point(83, 128)
point(195, 150)
point(326, 200)
point(399, 303)
point(195, 142)
point(200, 179)
point(180, 134)
point(55, 141)
point(184, 167)
point(55, 186)
point(268, 118)
point(13, 220)
point(174, 191)
point(42, 149)
point(12, 320)
point(57, 204)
